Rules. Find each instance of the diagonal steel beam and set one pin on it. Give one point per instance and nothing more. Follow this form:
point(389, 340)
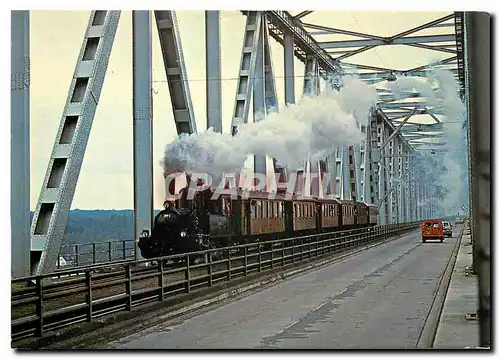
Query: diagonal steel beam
point(396, 41)
point(331, 30)
point(417, 135)
point(355, 52)
point(248, 61)
point(431, 113)
point(366, 67)
point(433, 48)
point(389, 124)
point(58, 188)
point(422, 27)
point(449, 24)
point(442, 62)
point(175, 68)
point(402, 105)
point(302, 14)
point(396, 131)
point(282, 22)
point(381, 76)
point(385, 196)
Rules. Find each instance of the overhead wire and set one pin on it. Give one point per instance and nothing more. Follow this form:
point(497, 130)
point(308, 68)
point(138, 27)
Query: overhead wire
point(361, 30)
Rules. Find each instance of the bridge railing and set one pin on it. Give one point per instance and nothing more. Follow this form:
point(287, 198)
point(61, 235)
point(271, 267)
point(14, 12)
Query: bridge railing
point(51, 302)
point(85, 254)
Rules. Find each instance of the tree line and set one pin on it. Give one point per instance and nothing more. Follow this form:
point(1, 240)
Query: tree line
point(86, 226)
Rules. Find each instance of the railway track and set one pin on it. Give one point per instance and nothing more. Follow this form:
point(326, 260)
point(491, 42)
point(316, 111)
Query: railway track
point(52, 302)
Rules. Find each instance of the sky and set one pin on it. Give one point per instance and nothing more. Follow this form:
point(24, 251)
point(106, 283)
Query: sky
point(106, 177)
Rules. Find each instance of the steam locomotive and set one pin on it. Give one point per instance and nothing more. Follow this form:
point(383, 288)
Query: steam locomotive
point(203, 222)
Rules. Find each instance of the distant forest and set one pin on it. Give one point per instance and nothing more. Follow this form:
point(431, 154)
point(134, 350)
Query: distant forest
point(86, 226)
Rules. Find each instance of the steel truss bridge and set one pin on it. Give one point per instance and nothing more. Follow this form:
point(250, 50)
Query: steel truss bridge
point(381, 170)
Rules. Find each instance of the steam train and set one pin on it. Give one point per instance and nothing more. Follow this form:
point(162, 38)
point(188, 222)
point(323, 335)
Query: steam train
point(203, 222)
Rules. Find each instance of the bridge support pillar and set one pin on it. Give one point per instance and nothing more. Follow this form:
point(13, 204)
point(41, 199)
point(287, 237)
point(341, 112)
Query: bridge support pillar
point(20, 143)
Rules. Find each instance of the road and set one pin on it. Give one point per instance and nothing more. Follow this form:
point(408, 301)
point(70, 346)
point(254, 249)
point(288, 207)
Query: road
point(378, 298)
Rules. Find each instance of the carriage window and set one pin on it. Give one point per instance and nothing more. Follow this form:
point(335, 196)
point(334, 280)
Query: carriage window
point(259, 209)
point(294, 210)
point(254, 211)
point(264, 209)
point(271, 210)
point(276, 209)
point(282, 209)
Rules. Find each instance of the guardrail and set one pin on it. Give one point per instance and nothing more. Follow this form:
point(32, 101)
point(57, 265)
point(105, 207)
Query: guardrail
point(43, 303)
point(84, 254)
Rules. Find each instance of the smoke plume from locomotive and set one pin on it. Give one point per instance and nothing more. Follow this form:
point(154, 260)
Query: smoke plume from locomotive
point(314, 127)
point(441, 90)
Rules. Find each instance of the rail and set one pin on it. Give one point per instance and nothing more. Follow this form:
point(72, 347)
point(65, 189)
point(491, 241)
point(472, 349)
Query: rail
point(44, 303)
point(80, 255)
point(84, 254)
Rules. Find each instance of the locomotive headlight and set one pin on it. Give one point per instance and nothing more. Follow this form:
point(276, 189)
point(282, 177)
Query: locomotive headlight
point(183, 234)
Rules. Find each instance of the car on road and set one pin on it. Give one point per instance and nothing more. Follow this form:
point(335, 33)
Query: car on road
point(432, 229)
point(447, 229)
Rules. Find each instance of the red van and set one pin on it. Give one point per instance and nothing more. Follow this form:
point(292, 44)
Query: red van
point(432, 229)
